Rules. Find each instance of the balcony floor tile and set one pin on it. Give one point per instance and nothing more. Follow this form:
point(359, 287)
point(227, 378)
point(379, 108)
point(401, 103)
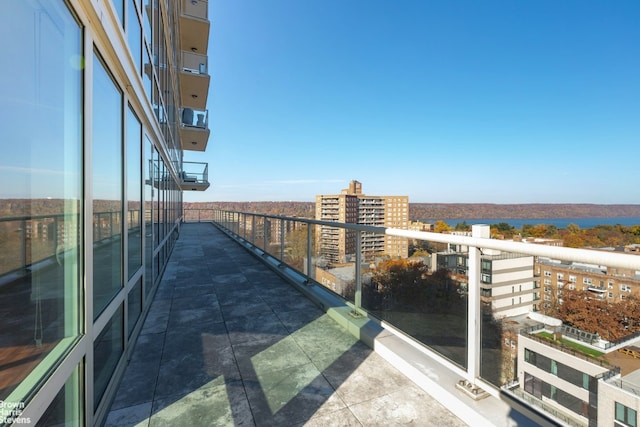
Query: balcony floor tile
point(228, 342)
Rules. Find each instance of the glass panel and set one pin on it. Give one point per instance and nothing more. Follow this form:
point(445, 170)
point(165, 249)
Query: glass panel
point(157, 190)
point(147, 20)
point(107, 187)
point(134, 306)
point(295, 251)
point(66, 408)
point(148, 224)
point(41, 172)
point(134, 193)
point(119, 6)
point(423, 295)
point(107, 350)
point(147, 75)
point(134, 34)
point(509, 296)
point(271, 235)
point(620, 412)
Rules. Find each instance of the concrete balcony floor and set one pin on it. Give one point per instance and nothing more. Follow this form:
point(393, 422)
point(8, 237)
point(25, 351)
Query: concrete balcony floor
point(228, 342)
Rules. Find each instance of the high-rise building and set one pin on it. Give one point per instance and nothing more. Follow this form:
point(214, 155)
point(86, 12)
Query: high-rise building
point(351, 206)
point(98, 106)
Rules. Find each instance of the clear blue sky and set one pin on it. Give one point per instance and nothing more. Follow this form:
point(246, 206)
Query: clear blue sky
point(443, 101)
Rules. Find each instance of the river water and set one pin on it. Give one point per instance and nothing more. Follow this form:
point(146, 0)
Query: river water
point(558, 222)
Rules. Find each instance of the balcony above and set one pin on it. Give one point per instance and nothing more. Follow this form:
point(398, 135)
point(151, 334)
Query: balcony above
point(194, 176)
point(194, 25)
point(194, 129)
point(194, 80)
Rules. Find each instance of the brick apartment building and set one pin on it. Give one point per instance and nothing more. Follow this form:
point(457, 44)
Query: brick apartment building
point(352, 206)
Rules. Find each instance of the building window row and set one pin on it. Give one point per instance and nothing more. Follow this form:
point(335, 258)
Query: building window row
point(562, 371)
point(539, 388)
point(626, 416)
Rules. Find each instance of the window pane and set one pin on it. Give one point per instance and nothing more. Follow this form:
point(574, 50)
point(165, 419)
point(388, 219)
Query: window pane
point(134, 306)
point(134, 34)
point(119, 6)
point(147, 75)
point(147, 20)
point(107, 187)
point(66, 408)
point(148, 223)
point(107, 350)
point(619, 412)
point(41, 172)
point(134, 192)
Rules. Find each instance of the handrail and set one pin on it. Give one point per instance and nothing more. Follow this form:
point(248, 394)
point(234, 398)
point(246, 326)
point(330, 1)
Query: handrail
point(27, 260)
point(559, 252)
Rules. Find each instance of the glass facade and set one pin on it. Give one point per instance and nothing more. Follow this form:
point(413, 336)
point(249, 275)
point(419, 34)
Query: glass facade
point(41, 105)
point(107, 187)
point(91, 205)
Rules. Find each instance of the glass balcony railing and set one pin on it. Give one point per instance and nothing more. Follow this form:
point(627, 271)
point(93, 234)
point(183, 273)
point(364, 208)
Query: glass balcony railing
point(192, 118)
point(194, 176)
point(194, 79)
point(194, 63)
point(466, 307)
point(194, 129)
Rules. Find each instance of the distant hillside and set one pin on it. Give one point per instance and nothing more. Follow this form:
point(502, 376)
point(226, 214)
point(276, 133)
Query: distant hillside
point(300, 209)
point(534, 210)
point(417, 211)
point(444, 210)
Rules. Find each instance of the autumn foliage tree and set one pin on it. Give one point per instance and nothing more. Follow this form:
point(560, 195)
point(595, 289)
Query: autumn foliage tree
point(408, 283)
point(611, 321)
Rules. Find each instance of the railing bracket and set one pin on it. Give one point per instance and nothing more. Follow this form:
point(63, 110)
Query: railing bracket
point(471, 390)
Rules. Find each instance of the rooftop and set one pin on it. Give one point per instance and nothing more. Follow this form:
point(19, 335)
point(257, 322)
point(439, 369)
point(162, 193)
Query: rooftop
point(229, 342)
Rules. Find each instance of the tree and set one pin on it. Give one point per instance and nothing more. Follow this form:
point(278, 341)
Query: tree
point(502, 229)
point(441, 227)
point(573, 228)
point(462, 226)
point(611, 321)
point(573, 241)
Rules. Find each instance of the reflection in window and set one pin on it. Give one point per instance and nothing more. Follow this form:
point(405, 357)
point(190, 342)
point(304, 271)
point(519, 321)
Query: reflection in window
point(147, 20)
point(41, 169)
point(134, 192)
point(66, 408)
point(147, 75)
point(134, 34)
point(134, 306)
point(148, 224)
point(106, 352)
point(107, 187)
point(119, 6)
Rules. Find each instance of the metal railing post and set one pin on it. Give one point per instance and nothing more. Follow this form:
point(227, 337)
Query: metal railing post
point(309, 249)
point(474, 319)
point(282, 239)
point(244, 225)
point(23, 240)
point(264, 233)
point(253, 229)
point(358, 293)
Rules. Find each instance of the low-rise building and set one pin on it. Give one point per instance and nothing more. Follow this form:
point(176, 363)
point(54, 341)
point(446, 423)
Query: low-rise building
point(507, 282)
point(574, 384)
point(613, 285)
